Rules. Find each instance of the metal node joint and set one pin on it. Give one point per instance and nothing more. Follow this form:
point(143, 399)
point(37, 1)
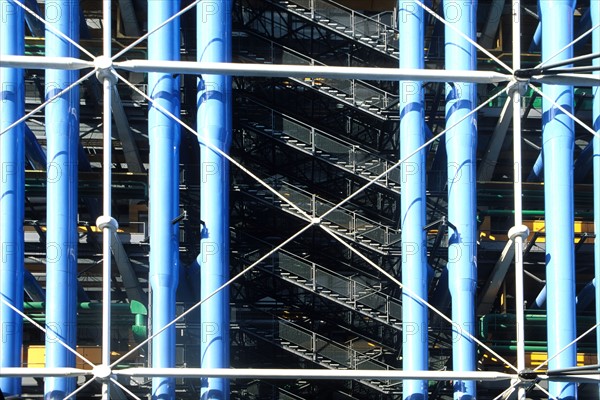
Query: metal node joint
point(105, 221)
point(105, 70)
point(316, 221)
point(518, 84)
point(518, 231)
point(102, 372)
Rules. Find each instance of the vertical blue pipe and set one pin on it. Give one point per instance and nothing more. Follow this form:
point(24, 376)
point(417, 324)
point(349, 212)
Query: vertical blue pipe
point(163, 192)
point(12, 186)
point(214, 126)
point(461, 147)
point(62, 132)
point(595, 15)
point(557, 148)
point(414, 248)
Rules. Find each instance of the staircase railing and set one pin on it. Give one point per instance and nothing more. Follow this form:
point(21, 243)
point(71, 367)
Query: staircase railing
point(351, 22)
point(356, 92)
point(352, 157)
point(343, 221)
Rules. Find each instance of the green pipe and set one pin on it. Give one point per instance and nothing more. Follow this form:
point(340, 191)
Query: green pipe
point(509, 320)
point(536, 213)
point(135, 308)
point(506, 348)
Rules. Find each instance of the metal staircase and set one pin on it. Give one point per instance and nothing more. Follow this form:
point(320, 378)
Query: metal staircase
point(366, 96)
point(309, 345)
point(378, 33)
point(357, 292)
point(350, 157)
point(347, 223)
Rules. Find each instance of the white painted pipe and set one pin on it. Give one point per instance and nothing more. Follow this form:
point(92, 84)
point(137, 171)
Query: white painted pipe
point(247, 373)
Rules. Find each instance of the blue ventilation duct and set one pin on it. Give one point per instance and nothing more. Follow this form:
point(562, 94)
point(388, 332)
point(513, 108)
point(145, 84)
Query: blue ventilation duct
point(164, 136)
point(12, 192)
point(557, 148)
point(461, 147)
point(414, 246)
point(62, 132)
point(595, 16)
point(214, 127)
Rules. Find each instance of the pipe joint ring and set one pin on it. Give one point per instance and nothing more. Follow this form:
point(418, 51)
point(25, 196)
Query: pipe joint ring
point(518, 231)
point(106, 221)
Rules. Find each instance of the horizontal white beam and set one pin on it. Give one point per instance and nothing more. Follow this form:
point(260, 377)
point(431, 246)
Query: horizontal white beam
point(314, 71)
point(297, 71)
point(41, 62)
point(42, 372)
point(568, 79)
point(314, 374)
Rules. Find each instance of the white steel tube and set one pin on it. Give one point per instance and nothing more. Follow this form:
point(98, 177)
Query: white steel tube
point(43, 372)
point(66, 63)
point(106, 208)
point(302, 71)
point(518, 203)
point(315, 374)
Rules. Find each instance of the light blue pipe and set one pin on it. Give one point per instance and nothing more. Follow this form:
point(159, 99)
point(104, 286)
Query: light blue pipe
point(12, 192)
point(62, 131)
point(164, 136)
point(557, 148)
point(414, 247)
point(214, 126)
point(595, 20)
point(461, 147)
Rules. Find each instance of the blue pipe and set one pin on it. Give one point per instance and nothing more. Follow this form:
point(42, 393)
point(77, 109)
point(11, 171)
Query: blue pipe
point(414, 247)
point(461, 147)
point(538, 170)
point(35, 25)
point(12, 194)
point(32, 287)
point(583, 164)
point(62, 131)
point(164, 181)
point(537, 40)
point(214, 126)
point(595, 20)
point(557, 148)
point(586, 295)
point(34, 151)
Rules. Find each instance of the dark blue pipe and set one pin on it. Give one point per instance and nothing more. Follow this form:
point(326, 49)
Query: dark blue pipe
point(583, 164)
point(62, 131)
point(414, 247)
point(214, 126)
point(557, 148)
point(163, 197)
point(12, 192)
point(34, 151)
point(461, 147)
point(33, 288)
point(35, 25)
point(586, 295)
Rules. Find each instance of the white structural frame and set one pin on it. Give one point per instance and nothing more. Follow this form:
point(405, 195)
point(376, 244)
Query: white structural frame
point(106, 69)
